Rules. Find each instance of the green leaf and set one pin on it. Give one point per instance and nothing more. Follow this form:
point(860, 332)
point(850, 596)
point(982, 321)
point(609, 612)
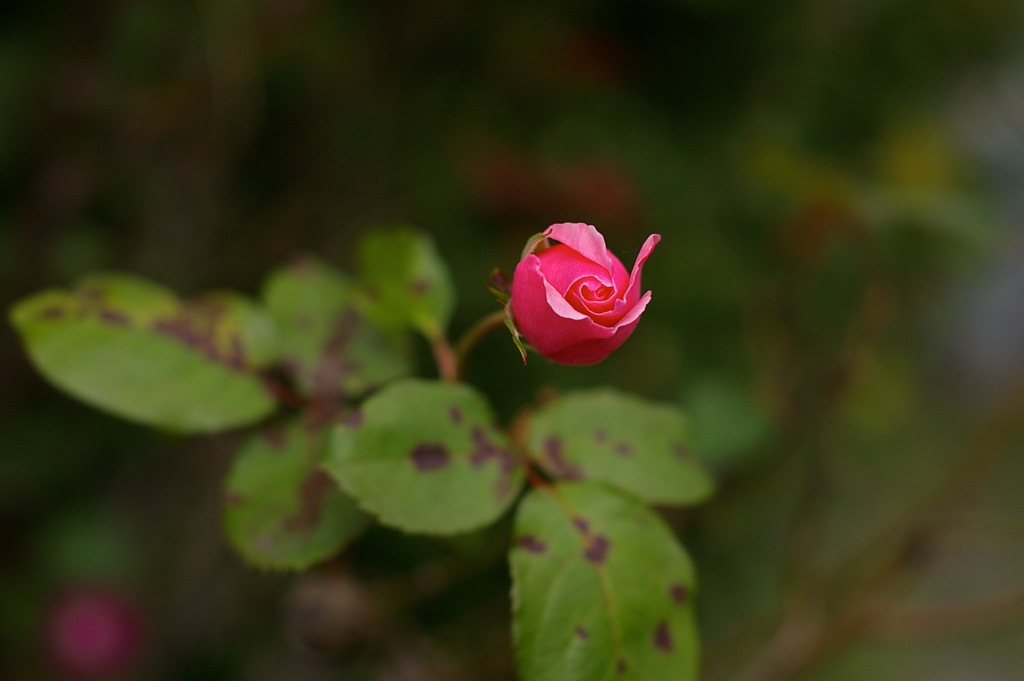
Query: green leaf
point(254, 325)
point(327, 345)
point(424, 456)
point(282, 509)
point(133, 348)
point(601, 590)
point(407, 283)
point(638, 446)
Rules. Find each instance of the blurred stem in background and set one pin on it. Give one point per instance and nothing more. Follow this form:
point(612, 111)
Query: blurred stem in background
point(812, 630)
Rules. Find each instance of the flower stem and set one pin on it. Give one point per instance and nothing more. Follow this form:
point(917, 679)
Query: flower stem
point(447, 366)
point(472, 338)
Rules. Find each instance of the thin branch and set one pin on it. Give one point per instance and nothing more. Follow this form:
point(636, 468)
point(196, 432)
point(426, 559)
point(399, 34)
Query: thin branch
point(808, 636)
point(903, 623)
point(472, 338)
point(444, 356)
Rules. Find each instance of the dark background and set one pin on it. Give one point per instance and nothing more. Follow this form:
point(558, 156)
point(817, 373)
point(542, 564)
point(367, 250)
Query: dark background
point(838, 302)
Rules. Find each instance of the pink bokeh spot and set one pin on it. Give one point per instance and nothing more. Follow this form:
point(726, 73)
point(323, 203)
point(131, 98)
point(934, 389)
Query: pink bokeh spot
point(94, 633)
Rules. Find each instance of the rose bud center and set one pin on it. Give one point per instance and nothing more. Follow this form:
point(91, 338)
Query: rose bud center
point(589, 295)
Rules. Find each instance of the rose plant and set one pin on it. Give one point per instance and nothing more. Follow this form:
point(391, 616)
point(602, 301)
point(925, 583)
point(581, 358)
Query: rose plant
point(342, 435)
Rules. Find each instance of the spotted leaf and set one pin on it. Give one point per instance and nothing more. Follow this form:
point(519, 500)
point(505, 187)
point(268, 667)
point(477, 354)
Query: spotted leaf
point(601, 590)
point(406, 282)
point(132, 348)
point(425, 456)
point(282, 510)
point(328, 346)
point(636, 445)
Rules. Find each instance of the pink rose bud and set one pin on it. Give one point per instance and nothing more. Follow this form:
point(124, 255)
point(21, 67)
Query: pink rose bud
point(574, 301)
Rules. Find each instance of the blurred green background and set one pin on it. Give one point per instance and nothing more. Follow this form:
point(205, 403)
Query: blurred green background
point(838, 303)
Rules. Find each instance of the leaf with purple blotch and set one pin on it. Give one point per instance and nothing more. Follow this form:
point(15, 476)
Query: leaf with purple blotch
point(254, 326)
point(639, 446)
point(282, 510)
point(406, 283)
point(601, 590)
point(328, 347)
point(133, 348)
point(425, 456)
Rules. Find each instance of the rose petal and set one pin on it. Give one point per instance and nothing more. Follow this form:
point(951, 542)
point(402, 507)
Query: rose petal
point(635, 311)
point(611, 317)
point(559, 305)
point(592, 297)
point(569, 272)
point(633, 293)
point(547, 330)
point(583, 238)
point(594, 350)
point(563, 267)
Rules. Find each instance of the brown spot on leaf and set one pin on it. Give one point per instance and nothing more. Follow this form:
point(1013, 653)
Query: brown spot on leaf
point(178, 328)
point(681, 451)
point(623, 449)
point(581, 524)
point(53, 312)
point(332, 365)
point(530, 543)
point(582, 633)
point(663, 637)
point(200, 325)
point(559, 466)
point(620, 667)
point(678, 593)
point(597, 549)
point(484, 450)
point(314, 490)
point(191, 329)
point(115, 317)
point(456, 415)
point(600, 435)
point(275, 438)
point(430, 457)
point(91, 292)
point(236, 355)
point(420, 287)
